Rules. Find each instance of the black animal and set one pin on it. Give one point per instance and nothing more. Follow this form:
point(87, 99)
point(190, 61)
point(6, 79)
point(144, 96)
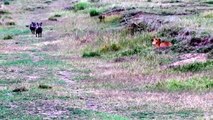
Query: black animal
point(33, 27)
point(39, 30)
point(102, 18)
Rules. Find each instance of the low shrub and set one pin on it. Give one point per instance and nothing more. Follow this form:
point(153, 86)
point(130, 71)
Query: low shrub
point(8, 37)
point(81, 6)
point(4, 12)
point(6, 3)
point(10, 23)
point(57, 15)
point(91, 54)
point(94, 12)
point(42, 86)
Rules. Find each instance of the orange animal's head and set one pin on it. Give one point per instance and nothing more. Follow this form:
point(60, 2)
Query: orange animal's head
point(156, 41)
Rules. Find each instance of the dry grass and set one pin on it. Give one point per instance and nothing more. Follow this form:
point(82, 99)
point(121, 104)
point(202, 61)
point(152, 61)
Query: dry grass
point(108, 89)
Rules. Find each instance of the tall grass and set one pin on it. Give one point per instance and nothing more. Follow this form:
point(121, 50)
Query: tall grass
point(122, 47)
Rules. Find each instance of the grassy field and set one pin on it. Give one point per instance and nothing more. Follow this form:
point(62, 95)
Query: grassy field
point(84, 69)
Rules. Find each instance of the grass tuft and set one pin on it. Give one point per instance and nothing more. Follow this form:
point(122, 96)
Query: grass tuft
point(193, 84)
point(42, 86)
point(91, 54)
point(4, 12)
point(8, 37)
point(6, 3)
point(110, 48)
point(195, 67)
point(81, 6)
point(208, 14)
point(94, 12)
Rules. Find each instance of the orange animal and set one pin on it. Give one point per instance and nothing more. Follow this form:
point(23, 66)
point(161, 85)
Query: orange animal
point(161, 44)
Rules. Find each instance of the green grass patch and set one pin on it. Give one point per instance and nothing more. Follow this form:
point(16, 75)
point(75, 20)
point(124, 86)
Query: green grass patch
point(208, 14)
point(81, 6)
point(94, 12)
point(10, 81)
point(12, 31)
point(43, 86)
point(209, 2)
point(195, 67)
point(6, 2)
point(113, 47)
point(193, 84)
point(182, 114)
point(8, 37)
point(7, 113)
point(89, 114)
point(87, 54)
point(2, 12)
point(123, 47)
point(27, 60)
point(57, 15)
point(82, 77)
point(113, 20)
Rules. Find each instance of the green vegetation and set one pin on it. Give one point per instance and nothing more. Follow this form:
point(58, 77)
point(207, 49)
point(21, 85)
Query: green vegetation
point(94, 12)
point(6, 2)
point(182, 114)
point(207, 14)
point(42, 86)
point(193, 84)
point(110, 48)
point(14, 114)
point(11, 23)
point(8, 37)
point(195, 67)
point(90, 54)
point(113, 19)
point(209, 2)
point(2, 12)
point(26, 60)
point(81, 5)
point(12, 31)
point(88, 114)
point(57, 15)
point(123, 47)
point(127, 76)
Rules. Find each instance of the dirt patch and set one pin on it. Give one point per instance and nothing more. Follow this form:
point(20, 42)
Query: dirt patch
point(67, 76)
point(180, 100)
point(186, 59)
point(49, 109)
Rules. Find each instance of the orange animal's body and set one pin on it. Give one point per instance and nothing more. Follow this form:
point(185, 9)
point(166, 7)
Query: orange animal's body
point(161, 44)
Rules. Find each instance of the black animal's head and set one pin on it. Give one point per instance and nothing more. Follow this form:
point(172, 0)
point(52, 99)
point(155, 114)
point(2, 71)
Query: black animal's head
point(39, 25)
point(33, 24)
